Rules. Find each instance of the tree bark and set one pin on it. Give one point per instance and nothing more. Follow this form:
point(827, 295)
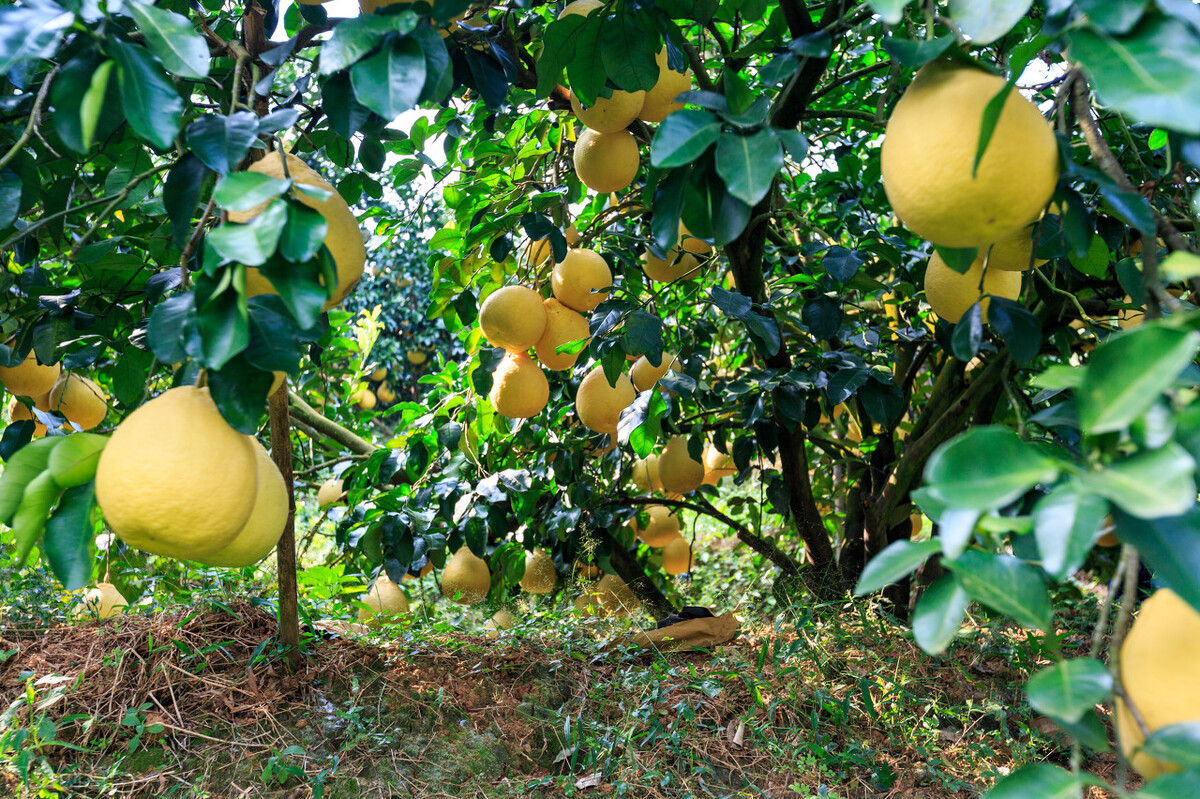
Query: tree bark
point(285, 550)
point(629, 570)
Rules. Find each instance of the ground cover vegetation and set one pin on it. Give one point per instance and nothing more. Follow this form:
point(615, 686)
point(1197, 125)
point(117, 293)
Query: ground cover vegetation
point(375, 373)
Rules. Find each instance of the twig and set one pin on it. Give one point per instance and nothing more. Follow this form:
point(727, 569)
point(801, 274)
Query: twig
point(302, 411)
point(34, 116)
point(112, 206)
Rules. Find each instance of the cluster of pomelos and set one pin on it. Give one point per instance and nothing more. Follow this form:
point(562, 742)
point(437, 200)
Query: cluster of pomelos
point(74, 397)
point(938, 192)
point(606, 153)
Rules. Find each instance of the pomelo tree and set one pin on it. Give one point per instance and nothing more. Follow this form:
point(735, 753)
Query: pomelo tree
point(727, 164)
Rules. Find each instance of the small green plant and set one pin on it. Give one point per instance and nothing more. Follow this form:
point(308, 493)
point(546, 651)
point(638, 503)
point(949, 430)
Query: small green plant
point(278, 771)
point(135, 718)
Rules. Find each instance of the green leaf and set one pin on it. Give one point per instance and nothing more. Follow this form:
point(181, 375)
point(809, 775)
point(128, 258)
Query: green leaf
point(303, 234)
point(1131, 207)
point(22, 468)
point(69, 533)
point(299, 286)
point(1006, 584)
point(642, 426)
point(251, 243)
point(628, 52)
point(243, 191)
point(749, 164)
point(1149, 485)
point(895, 562)
point(275, 343)
point(1179, 266)
point(586, 70)
point(914, 53)
point(958, 259)
point(30, 32)
point(40, 495)
point(890, 11)
point(224, 328)
point(92, 104)
point(172, 38)
point(353, 38)
point(1176, 743)
point(1020, 329)
point(1169, 547)
point(1066, 523)
point(1041, 780)
point(73, 462)
point(985, 21)
point(1114, 16)
point(181, 194)
point(221, 142)
point(1178, 785)
point(939, 614)
point(683, 137)
point(240, 393)
point(986, 467)
point(152, 105)
point(1069, 688)
point(390, 82)
point(1153, 74)
point(642, 334)
point(558, 49)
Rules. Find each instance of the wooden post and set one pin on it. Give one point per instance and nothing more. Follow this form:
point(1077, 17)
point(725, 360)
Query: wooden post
point(285, 551)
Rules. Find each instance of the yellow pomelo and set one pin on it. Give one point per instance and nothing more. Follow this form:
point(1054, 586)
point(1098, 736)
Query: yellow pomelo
point(385, 603)
point(1160, 660)
point(951, 294)
point(571, 234)
point(364, 398)
point(104, 601)
point(675, 266)
point(329, 492)
point(929, 149)
point(540, 574)
point(379, 374)
point(645, 474)
point(519, 387)
point(540, 251)
point(563, 326)
point(80, 400)
point(385, 393)
point(692, 244)
point(660, 100)
point(582, 280)
point(416, 357)
point(1013, 254)
point(614, 596)
point(586, 571)
point(513, 318)
point(466, 579)
point(175, 479)
point(610, 114)
point(645, 374)
point(18, 412)
point(581, 7)
point(501, 620)
point(677, 556)
point(267, 519)
point(343, 236)
point(606, 162)
point(29, 378)
point(661, 529)
point(717, 465)
point(599, 404)
point(677, 470)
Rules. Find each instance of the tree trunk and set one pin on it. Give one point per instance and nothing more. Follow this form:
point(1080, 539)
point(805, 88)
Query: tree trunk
point(629, 570)
point(285, 550)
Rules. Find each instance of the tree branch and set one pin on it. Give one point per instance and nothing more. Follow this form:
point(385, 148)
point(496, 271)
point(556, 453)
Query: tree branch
point(302, 411)
point(34, 118)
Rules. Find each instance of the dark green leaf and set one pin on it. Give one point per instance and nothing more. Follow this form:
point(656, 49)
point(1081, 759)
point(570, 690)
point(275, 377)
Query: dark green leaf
point(764, 331)
point(390, 82)
point(243, 191)
point(749, 164)
point(668, 207)
point(986, 467)
point(939, 614)
point(1150, 484)
point(883, 402)
point(1170, 548)
point(151, 103)
point(1066, 522)
point(300, 286)
point(181, 194)
point(171, 37)
point(251, 243)
point(642, 333)
point(1019, 328)
point(683, 137)
point(240, 392)
point(958, 259)
point(1152, 74)
point(353, 38)
point(30, 32)
point(1128, 373)
point(1176, 743)
point(303, 234)
point(914, 53)
point(1130, 207)
point(346, 114)
point(558, 49)
point(1069, 689)
point(1006, 584)
point(1178, 785)
point(69, 534)
point(822, 316)
point(895, 562)
point(842, 263)
point(221, 142)
point(731, 303)
point(224, 328)
point(1041, 780)
point(628, 52)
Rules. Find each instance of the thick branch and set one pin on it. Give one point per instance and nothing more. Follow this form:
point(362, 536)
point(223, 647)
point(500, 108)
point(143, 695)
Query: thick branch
point(629, 570)
point(285, 550)
point(303, 412)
